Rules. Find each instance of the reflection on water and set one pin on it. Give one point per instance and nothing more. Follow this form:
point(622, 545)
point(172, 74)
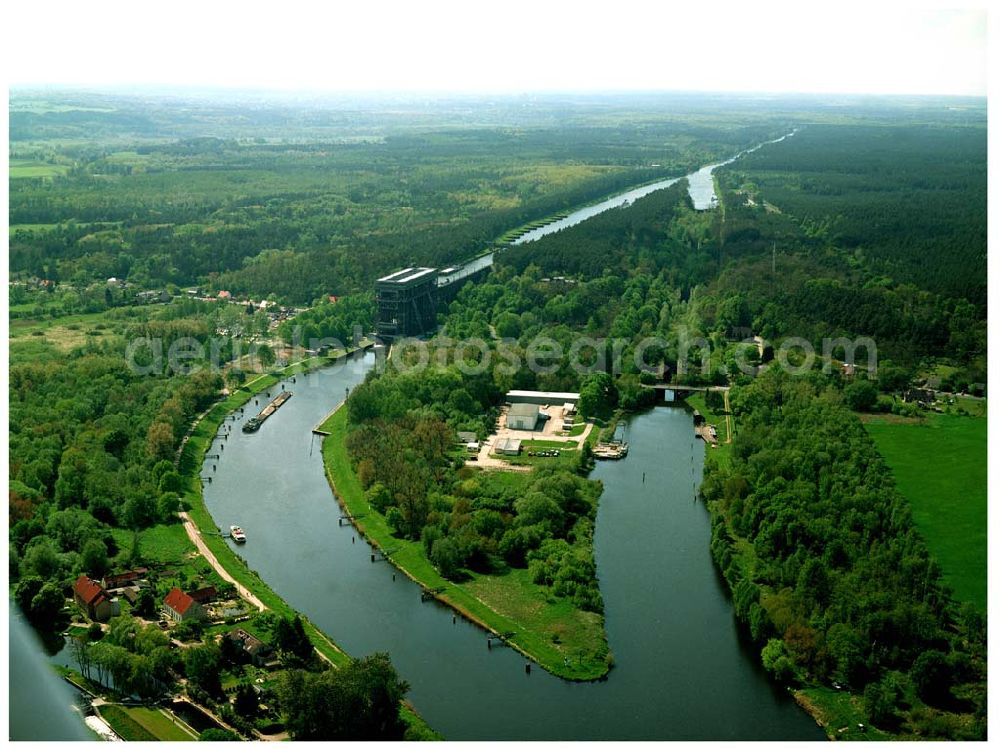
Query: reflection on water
point(42, 705)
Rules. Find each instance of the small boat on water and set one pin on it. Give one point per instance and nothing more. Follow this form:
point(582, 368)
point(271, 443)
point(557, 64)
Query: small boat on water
point(237, 534)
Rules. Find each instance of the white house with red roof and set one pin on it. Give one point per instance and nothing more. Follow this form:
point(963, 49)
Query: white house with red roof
point(181, 606)
point(93, 599)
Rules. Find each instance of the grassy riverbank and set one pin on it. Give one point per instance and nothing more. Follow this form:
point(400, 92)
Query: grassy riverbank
point(191, 459)
point(144, 724)
point(564, 640)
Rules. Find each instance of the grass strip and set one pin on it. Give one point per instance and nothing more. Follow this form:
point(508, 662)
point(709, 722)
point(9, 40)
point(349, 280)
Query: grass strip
point(124, 725)
point(156, 722)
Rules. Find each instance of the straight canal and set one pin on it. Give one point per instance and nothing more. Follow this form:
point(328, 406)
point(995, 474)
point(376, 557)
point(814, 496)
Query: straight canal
point(680, 671)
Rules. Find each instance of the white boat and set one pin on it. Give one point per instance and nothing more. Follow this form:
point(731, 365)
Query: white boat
point(237, 534)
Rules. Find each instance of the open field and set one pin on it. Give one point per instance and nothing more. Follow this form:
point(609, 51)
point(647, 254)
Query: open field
point(62, 334)
point(839, 712)
point(582, 655)
point(940, 467)
point(165, 544)
point(23, 169)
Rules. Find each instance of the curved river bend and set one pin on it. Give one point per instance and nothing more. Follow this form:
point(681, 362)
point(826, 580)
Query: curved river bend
point(680, 673)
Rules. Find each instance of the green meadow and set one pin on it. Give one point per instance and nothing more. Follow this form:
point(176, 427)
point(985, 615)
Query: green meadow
point(940, 467)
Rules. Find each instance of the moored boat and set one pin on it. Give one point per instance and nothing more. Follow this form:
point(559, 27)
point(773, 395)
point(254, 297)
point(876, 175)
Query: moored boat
point(237, 534)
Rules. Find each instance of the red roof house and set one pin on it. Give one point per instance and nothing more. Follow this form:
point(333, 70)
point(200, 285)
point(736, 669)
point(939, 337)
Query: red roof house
point(93, 600)
point(181, 606)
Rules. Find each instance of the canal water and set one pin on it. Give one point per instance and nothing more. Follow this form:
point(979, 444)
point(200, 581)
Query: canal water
point(701, 188)
point(42, 706)
point(681, 671)
point(701, 185)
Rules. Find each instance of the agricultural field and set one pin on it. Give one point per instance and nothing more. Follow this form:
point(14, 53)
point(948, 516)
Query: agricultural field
point(27, 169)
point(940, 465)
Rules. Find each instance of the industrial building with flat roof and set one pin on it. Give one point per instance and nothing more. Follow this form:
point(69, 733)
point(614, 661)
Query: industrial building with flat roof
point(407, 302)
point(543, 398)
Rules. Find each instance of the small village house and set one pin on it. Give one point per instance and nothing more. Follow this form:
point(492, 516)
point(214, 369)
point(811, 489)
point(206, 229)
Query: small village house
point(205, 594)
point(93, 599)
point(259, 653)
point(180, 606)
point(114, 581)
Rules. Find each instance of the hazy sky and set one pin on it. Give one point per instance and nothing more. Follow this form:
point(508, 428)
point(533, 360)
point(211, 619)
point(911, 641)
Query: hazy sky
point(503, 45)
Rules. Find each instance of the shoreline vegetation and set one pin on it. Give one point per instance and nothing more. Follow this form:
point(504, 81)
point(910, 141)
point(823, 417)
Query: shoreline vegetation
point(192, 454)
point(409, 558)
point(885, 693)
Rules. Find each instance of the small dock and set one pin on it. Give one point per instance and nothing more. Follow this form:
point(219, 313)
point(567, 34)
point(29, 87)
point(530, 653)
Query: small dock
point(610, 450)
point(258, 420)
point(707, 432)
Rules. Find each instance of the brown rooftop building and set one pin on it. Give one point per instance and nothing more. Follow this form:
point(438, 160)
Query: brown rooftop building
point(111, 581)
point(259, 653)
point(93, 600)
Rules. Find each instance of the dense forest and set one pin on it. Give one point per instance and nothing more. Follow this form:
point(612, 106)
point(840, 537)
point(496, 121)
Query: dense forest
point(323, 205)
point(827, 571)
point(92, 447)
point(908, 203)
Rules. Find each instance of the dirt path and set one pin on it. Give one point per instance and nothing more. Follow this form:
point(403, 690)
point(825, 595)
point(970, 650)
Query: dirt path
point(729, 416)
point(196, 538)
